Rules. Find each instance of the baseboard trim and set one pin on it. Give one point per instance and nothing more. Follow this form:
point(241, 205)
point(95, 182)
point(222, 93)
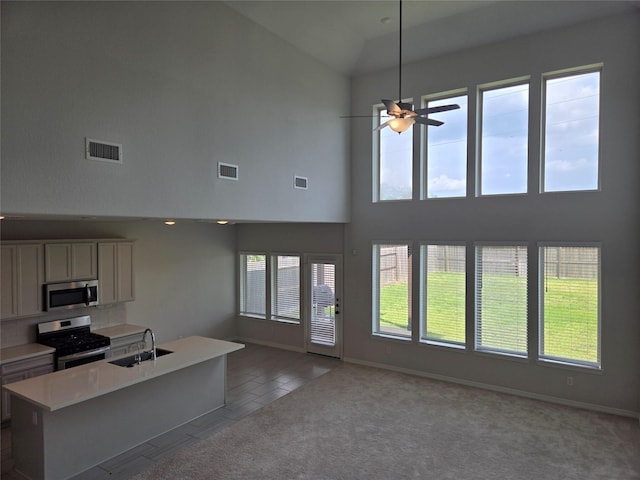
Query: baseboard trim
point(265, 343)
point(495, 388)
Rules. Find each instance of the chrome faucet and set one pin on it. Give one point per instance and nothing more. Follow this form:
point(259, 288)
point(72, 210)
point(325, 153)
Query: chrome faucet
point(153, 342)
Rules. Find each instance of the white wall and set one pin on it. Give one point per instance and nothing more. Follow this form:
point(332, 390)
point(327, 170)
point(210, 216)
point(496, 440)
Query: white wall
point(609, 216)
point(182, 85)
point(184, 277)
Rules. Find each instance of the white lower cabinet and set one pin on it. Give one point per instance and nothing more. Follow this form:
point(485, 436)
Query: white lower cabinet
point(21, 370)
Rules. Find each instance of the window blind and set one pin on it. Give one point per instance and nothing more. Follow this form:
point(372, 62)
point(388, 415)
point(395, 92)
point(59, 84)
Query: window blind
point(285, 287)
point(252, 284)
point(501, 299)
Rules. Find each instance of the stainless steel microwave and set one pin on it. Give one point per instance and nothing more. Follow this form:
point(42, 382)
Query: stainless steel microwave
point(65, 296)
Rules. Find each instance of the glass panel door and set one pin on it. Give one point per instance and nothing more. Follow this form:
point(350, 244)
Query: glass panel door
point(323, 327)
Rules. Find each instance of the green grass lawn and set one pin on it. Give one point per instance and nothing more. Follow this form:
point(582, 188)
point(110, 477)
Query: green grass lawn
point(570, 328)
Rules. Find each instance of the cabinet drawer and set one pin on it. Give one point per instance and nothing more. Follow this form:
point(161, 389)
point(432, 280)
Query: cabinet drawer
point(28, 364)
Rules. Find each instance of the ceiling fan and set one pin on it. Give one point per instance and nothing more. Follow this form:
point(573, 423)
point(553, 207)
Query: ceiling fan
point(403, 115)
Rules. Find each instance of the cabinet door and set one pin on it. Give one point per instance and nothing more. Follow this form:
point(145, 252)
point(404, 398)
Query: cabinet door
point(29, 280)
point(70, 261)
point(83, 261)
point(115, 271)
point(107, 273)
point(126, 283)
point(57, 262)
point(8, 282)
point(22, 274)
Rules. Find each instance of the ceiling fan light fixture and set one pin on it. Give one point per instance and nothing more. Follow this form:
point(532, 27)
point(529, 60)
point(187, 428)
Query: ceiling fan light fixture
point(400, 125)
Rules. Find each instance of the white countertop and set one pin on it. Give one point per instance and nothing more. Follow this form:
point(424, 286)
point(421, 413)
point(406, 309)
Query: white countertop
point(23, 352)
point(64, 388)
point(120, 330)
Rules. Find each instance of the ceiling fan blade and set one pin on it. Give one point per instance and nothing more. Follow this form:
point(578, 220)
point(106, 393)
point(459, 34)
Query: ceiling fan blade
point(382, 125)
point(392, 107)
point(428, 121)
point(441, 108)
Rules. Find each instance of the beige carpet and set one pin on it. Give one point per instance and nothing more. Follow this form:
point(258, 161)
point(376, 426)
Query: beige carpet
point(363, 423)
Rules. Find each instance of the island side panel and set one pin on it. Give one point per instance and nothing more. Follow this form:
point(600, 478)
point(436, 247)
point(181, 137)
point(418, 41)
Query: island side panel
point(81, 436)
point(27, 443)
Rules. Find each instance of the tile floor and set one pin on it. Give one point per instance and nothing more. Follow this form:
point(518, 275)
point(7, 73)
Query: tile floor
point(256, 376)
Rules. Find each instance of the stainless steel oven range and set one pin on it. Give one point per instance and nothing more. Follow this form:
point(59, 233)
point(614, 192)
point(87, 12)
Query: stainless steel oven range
point(74, 342)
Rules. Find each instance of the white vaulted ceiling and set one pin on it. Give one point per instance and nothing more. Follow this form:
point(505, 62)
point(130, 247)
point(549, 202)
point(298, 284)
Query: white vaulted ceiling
point(349, 36)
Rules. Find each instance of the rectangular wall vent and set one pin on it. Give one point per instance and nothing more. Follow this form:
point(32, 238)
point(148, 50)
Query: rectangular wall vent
point(103, 151)
point(300, 182)
point(228, 171)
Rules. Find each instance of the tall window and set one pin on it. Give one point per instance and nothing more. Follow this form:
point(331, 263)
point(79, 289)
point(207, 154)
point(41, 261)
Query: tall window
point(504, 139)
point(392, 289)
point(253, 276)
point(571, 127)
point(395, 162)
point(501, 299)
point(285, 287)
point(569, 304)
point(446, 161)
point(443, 296)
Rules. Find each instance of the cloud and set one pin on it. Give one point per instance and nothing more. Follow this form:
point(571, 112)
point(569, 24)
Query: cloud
point(444, 183)
point(564, 165)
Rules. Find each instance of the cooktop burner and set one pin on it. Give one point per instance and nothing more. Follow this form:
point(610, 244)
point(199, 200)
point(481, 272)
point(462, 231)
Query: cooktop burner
point(70, 336)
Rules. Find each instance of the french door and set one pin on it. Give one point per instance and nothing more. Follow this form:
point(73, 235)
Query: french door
point(323, 318)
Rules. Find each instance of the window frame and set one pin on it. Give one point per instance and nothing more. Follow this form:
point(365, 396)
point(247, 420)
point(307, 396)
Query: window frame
point(480, 90)
point(424, 143)
point(506, 353)
point(567, 72)
point(269, 289)
point(563, 361)
point(377, 110)
point(375, 290)
point(242, 277)
point(272, 289)
point(424, 339)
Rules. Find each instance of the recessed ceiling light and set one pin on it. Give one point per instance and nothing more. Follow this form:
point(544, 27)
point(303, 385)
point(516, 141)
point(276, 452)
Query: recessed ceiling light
point(1, 217)
point(170, 222)
point(222, 222)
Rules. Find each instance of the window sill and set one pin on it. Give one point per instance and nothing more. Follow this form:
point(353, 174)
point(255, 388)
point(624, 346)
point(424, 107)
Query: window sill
point(503, 355)
point(388, 336)
point(449, 346)
point(576, 367)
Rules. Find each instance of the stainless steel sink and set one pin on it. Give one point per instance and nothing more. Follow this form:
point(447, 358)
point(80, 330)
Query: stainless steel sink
point(136, 359)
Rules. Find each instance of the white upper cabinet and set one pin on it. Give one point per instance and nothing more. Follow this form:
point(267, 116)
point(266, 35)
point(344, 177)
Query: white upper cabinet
point(21, 281)
point(70, 261)
point(115, 272)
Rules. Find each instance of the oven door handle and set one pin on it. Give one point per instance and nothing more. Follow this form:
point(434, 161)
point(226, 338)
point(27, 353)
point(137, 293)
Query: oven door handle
point(88, 353)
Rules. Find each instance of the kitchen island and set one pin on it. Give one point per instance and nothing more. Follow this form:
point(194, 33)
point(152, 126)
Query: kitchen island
point(68, 421)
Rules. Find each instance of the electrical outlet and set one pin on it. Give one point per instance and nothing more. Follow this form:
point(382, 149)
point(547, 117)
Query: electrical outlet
point(570, 381)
